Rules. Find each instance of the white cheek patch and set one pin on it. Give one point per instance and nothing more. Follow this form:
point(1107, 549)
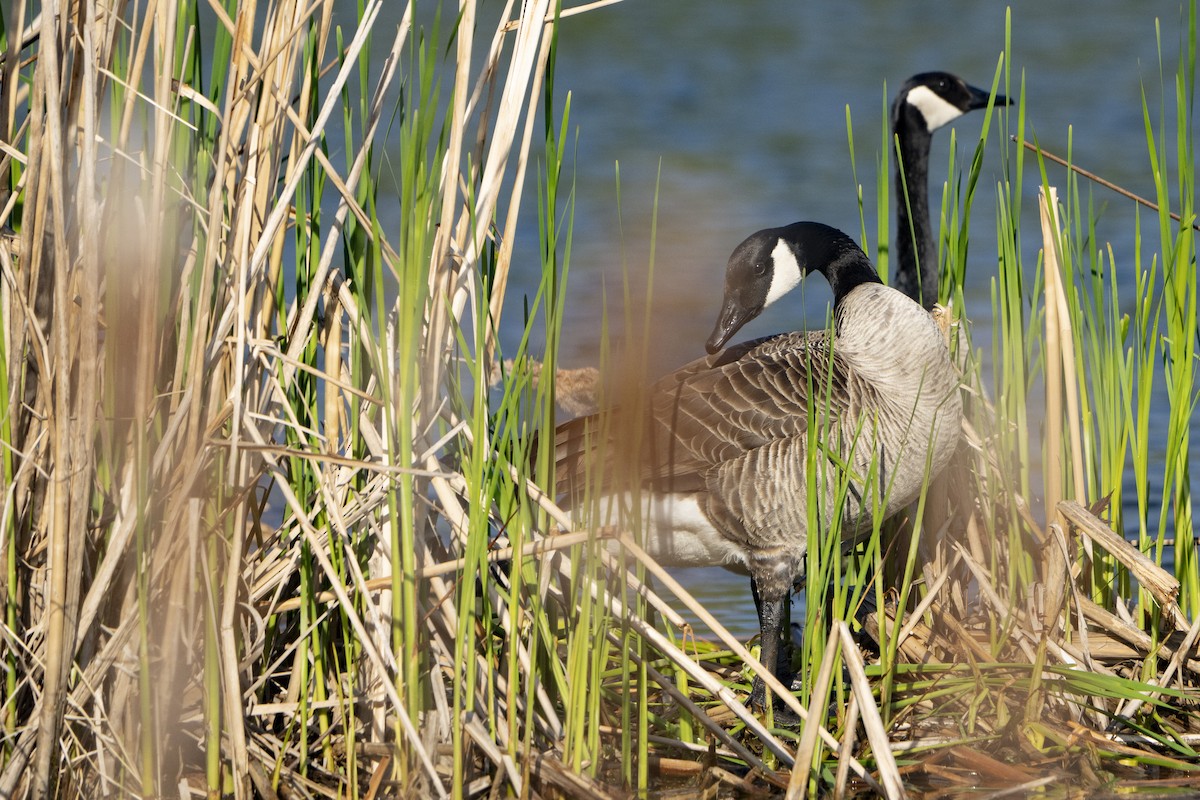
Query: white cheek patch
point(787, 273)
point(936, 111)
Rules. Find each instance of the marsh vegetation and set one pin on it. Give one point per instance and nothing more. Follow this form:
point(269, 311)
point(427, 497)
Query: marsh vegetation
point(274, 522)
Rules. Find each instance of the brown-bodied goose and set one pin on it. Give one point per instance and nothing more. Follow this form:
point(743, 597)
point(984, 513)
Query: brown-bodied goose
point(925, 102)
point(721, 472)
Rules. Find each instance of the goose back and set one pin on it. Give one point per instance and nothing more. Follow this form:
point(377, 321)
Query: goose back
point(727, 436)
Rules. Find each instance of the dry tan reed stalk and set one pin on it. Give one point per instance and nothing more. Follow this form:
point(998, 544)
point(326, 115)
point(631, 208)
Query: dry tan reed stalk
point(806, 749)
point(503, 761)
point(570, 12)
point(1052, 444)
point(18, 39)
point(504, 258)
point(932, 590)
point(525, 68)
point(1066, 338)
point(849, 742)
point(889, 774)
point(451, 168)
point(553, 774)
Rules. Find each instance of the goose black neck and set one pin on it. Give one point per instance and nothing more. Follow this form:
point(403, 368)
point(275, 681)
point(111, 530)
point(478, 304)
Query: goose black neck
point(916, 256)
point(835, 255)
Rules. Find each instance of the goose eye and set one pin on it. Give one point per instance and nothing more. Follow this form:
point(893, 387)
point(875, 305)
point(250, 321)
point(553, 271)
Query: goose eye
point(760, 269)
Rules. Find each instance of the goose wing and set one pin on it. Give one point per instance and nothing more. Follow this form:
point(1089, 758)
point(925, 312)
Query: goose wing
point(705, 414)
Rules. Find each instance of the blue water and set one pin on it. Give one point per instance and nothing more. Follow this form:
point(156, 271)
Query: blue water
point(743, 106)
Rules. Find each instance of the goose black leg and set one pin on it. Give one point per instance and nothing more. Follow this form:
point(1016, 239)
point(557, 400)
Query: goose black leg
point(771, 598)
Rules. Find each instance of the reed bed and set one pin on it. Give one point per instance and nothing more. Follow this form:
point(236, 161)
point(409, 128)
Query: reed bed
point(274, 519)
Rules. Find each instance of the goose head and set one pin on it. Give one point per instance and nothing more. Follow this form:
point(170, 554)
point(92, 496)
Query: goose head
point(771, 262)
point(932, 99)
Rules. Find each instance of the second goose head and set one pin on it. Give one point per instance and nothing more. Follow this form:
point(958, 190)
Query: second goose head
point(771, 262)
point(933, 99)
point(925, 102)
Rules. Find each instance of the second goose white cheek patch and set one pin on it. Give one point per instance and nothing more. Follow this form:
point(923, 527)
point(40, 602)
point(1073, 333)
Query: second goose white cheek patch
point(936, 111)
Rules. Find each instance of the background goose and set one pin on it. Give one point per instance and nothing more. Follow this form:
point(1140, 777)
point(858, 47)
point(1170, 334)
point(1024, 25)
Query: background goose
point(721, 467)
point(926, 102)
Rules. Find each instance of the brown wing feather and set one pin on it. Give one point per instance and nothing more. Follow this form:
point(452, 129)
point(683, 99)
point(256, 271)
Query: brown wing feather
point(704, 414)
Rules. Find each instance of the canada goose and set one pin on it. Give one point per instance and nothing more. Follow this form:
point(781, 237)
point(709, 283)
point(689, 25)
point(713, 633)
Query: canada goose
point(925, 103)
point(722, 461)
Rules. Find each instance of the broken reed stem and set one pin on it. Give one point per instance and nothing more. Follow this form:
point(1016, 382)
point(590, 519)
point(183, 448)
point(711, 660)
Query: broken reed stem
point(525, 68)
point(1135, 637)
point(1162, 585)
